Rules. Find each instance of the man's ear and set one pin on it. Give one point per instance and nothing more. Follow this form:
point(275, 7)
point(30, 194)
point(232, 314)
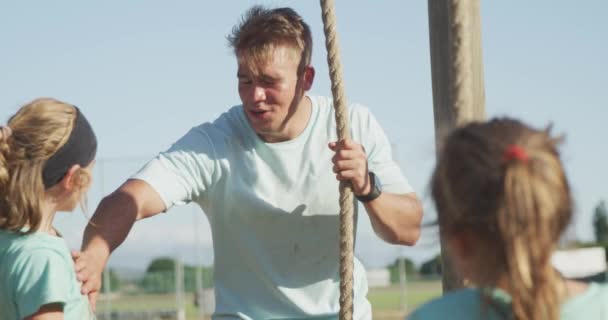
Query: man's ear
point(309, 78)
point(68, 181)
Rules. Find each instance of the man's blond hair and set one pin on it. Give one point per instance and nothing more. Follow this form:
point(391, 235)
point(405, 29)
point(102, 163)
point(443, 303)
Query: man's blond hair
point(263, 30)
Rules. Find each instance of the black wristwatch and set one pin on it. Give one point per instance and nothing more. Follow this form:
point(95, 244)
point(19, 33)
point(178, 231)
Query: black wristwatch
point(376, 189)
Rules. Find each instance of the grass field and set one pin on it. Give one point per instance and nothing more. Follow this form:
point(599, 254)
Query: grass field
point(387, 303)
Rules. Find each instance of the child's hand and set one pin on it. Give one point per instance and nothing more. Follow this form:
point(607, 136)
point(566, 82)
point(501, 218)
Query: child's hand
point(87, 274)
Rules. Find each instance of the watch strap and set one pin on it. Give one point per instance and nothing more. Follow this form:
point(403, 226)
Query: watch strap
point(374, 189)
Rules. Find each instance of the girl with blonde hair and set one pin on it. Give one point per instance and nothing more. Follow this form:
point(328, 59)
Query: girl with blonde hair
point(47, 152)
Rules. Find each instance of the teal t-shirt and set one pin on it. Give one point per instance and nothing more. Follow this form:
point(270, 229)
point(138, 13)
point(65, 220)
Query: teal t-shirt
point(467, 304)
point(273, 210)
point(36, 270)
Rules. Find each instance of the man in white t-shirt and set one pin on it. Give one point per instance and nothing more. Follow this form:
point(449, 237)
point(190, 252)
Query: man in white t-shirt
point(266, 174)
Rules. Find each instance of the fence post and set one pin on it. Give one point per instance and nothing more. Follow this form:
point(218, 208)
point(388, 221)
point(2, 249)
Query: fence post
point(179, 290)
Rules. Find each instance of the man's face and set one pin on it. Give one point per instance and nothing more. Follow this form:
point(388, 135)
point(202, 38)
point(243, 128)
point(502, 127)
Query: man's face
point(271, 97)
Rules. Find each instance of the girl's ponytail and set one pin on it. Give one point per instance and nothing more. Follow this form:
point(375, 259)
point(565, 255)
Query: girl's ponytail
point(38, 130)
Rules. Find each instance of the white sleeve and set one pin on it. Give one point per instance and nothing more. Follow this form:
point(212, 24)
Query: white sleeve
point(379, 152)
point(184, 172)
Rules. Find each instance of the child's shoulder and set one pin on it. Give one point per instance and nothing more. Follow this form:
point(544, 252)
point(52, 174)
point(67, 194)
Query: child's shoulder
point(445, 304)
point(459, 304)
point(19, 247)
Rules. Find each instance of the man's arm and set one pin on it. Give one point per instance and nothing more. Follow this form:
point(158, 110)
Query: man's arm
point(395, 218)
point(109, 227)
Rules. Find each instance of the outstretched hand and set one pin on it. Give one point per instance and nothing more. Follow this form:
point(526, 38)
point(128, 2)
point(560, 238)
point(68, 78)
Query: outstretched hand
point(350, 164)
point(89, 272)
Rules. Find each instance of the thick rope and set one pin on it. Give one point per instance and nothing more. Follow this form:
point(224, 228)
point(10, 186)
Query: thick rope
point(461, 65)
point(343, 130)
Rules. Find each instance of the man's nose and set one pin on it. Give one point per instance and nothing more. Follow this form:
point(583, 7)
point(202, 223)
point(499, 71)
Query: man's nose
point(259, 93)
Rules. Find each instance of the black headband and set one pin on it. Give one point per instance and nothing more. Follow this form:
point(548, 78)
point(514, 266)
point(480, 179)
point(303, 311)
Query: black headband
point(79, 149)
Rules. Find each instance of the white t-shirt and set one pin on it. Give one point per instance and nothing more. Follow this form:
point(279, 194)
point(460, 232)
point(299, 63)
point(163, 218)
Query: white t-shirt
point(273, 210)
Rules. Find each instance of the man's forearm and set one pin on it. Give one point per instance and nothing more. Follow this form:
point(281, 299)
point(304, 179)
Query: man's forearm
point(110, 224)
point(109, 227)
point(396, 218)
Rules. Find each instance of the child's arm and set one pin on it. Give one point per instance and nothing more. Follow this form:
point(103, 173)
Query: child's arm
point(52, 311)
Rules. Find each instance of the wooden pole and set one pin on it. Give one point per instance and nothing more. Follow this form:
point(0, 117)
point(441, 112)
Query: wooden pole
point(458, 84)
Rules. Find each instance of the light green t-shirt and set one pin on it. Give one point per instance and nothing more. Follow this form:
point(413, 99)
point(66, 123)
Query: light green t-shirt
point(35, 270)
point(273, 210)
point(466, 304)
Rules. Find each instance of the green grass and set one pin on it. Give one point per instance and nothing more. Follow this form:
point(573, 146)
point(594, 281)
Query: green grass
point(386, 302)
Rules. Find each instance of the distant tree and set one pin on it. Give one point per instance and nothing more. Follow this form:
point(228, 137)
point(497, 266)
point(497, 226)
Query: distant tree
point(431, 268)
point(393, 268)
point(162, 264)
point(160, 276)
point(600, 223)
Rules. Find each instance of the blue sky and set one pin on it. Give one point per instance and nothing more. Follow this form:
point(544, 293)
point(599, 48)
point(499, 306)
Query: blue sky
point(144, 72)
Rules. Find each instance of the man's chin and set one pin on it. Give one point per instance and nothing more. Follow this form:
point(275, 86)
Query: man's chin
point(260, 127)
point(266, 132)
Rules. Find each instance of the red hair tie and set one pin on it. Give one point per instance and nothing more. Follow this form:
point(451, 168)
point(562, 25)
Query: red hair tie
point(515, 152)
